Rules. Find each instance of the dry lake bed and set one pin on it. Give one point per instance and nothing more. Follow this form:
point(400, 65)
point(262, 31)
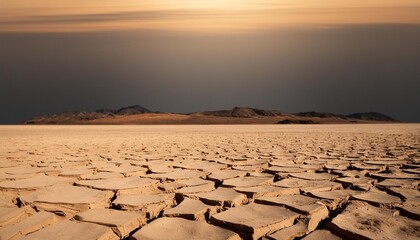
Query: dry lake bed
point(210, 182)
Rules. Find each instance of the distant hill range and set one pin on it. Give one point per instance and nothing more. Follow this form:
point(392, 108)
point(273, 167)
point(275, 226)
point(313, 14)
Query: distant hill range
point(238, 115)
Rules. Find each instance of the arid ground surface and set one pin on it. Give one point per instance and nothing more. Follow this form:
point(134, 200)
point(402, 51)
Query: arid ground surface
point(210, 182)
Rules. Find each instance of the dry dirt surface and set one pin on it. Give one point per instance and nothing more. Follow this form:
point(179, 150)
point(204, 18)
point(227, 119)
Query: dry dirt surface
point(210, 182)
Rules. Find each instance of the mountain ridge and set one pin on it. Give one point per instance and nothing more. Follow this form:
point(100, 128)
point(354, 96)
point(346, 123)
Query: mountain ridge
point(136, 114)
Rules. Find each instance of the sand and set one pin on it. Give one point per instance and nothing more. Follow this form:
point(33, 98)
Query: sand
point(210, 182)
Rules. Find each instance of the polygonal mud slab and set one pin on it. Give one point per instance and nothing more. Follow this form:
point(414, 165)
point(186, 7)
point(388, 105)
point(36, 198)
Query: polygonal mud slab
point(339, 166)
point(125, 169)
point(192, 182)
point(226, 174)
point(170, 186)
point(6, 176)
point(335, 194)
point(307, 185)
point(237, 157)
point(256, 163)
point(289, 233)
point(67, 200)
point(399, 175)
point(335, 198)
point(181, 229)
point(190, 209)
point(384, 163)
point(411, 166)
point(253, 221)
point(12, 215)
point(248, 181)
point(31, 184)
point(411, 211)
point(200, 165)
point(277, 169)
point(363, 221)
point(313, 176)
point(76, 173)
point(321, 235)
point(151, 205)
point(226, 197)
point(404, 183)
point(260, 174)
point(413, 171)
point(250, 169)
point(157, 168)
point(311, 207)
point(70, 230)
point(121, 222)
point(30, 170)
point(358, 182)
point(178, 174)
point(101, 176)
point(266, 191)
point(129, 184)
point(349, 173)
point(208, 187)
point(369, 167)
point(311, 167)
point(408, 195)
point(31, 224)
point(283, 163)
point(379, 199)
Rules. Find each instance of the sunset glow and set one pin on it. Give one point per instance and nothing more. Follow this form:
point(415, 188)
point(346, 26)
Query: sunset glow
point(215, 15)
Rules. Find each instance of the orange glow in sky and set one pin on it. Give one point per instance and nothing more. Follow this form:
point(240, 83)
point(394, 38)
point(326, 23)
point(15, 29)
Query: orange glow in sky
point(198, 15)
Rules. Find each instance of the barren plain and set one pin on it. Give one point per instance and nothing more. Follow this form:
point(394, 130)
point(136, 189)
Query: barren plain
point(210, 182)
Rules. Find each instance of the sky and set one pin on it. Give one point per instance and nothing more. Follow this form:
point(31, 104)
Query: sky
point(192, 55)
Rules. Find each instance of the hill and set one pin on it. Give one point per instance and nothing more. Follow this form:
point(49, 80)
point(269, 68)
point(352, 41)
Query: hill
point(371, 116)
point(244, 112)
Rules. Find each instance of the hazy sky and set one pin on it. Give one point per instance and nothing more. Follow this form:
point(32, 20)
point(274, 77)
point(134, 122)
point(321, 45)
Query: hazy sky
point(191, 55)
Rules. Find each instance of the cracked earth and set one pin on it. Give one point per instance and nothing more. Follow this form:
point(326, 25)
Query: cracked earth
point(210, 182)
